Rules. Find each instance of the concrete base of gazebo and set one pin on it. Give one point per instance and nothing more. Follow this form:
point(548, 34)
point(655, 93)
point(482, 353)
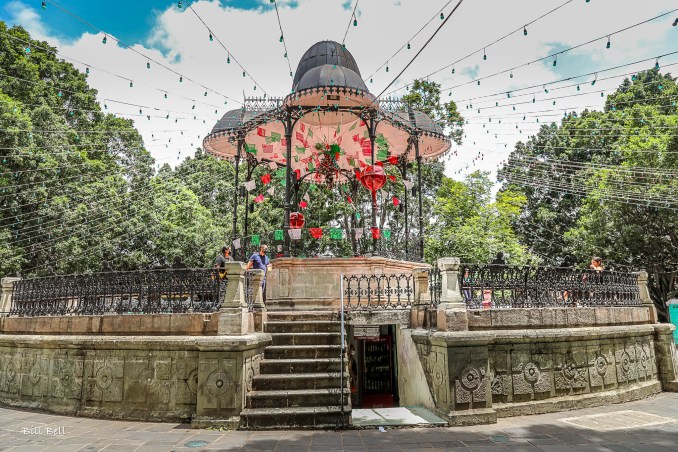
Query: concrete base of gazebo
point(310, 284)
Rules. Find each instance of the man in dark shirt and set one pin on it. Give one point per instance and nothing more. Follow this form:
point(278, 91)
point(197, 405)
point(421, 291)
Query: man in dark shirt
point(222, 259)
point(260, 261)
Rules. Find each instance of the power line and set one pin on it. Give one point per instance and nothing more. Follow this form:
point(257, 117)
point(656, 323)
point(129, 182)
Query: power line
point(422, 48)
point(146, 57)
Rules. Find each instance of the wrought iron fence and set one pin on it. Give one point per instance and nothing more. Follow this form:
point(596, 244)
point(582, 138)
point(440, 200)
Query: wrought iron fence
point(364, 292)
point(249, 290)
point(435, 285)
point(135, 292)
point(501, 286)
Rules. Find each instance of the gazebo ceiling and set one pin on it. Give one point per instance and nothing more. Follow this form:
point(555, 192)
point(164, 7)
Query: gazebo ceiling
point(331, 102)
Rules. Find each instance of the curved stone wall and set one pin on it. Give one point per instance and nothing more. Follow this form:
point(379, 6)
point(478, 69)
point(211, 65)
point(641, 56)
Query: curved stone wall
point(122, 377)
point(477, 376)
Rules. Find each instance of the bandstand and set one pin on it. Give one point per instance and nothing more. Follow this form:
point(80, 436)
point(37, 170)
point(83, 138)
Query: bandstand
point(330, 130)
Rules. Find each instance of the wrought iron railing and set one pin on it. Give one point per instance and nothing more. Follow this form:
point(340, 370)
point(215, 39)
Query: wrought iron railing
point(364, 292)
point(435, 285)
point(501, 286)
point(249, 290)
point(135, 292)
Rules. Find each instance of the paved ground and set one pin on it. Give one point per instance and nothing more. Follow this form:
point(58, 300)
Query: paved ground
point(649, 425)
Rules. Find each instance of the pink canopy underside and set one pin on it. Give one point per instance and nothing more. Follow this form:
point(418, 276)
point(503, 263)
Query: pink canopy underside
point(313, 138)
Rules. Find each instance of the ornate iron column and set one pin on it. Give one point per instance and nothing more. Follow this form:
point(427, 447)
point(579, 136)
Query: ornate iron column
point(403, 171)
point(234, 231)
point(288, 180)
point(247, 198)
point(421, 216)
point(371, 130)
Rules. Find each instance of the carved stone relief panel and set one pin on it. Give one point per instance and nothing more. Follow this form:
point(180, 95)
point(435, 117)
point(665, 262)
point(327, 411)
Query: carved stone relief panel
point(571, 372)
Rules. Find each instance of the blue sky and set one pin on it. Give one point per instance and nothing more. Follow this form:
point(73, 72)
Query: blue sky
point(130, 20)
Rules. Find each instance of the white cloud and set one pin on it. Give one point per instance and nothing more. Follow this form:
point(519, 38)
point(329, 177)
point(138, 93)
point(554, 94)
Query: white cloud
point(252, 37)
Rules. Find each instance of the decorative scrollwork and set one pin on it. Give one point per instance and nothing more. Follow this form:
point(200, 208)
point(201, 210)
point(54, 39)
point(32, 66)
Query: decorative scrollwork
point(145, 291)
point(364, 292)
point(502, 286)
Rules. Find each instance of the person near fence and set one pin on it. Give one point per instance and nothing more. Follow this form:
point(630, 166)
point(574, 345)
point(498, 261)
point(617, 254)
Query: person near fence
point(260, 261)
point(222, 259)
point(597, 264)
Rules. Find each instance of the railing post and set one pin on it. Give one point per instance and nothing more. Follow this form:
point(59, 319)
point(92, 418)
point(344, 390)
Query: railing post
point(422, 298)
point(234, 317)
point(644, 295)
point(258, 307)
point(7, 291)
point(451, 313)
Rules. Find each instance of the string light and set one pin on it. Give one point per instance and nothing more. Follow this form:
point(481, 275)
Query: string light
point(87, 70)
point(656, 65)
point(211, 37)
point(442, 16)
point(148, 65)
point(131, 84)
point(555, 60)
point(281, 38)
point(228, 60)
point(44, 6)
point(355, 22)
point(179, 5)
point(105, 40)
point(525, 31)
point(607, 46)
point(408, 46)
point(484, 55)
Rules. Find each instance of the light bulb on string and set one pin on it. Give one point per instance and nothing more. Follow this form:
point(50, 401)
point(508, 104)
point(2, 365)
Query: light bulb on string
point(408, 46)
point(675, 22)
point(602, 94)
point(484, 55)
point(243, 73)
point(131, 84)
point(442, 16)
point(656, 64)
point(355, 22)
point(148, 64)
point(179, 5)
point(511, 74)
point(578, 89)
point(290, 73)
point(281, 38)
point(205, 94)
point(211, 37)
point(478, 82)
point(593, 83)
point(228, 60)
point(105, 39)
point(87, 70)
point(44, 6)
point(555, 60)
point(165, 95)
point(545, 89)
point(285, 55)
point(634, 77)
point(181, 79)
point(386, 66)
point(453, 70)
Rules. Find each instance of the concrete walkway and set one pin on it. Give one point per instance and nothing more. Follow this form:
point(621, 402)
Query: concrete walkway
point(645, 425)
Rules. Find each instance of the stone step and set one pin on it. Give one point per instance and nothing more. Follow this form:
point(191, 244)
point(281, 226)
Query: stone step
point(306, 338)
point(318, 380)
point(282, 366)
point(302, 351)
point(299, 417)
point(297, 398)
point(292, 315)
point(306, 326)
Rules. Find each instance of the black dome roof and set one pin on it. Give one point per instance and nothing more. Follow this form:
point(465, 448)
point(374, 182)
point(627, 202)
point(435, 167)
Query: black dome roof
point(323, 53)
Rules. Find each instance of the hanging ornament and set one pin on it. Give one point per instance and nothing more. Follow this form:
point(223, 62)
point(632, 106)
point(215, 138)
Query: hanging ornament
point(297, 220)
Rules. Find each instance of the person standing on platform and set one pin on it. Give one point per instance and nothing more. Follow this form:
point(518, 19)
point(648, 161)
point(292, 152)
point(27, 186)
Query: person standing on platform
point(222, 259)
point(260, 261)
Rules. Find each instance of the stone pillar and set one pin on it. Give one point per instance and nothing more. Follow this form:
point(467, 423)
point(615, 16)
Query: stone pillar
point(7, 290)
point(644, 293)
point(666, 356)
point(451, 314)
point(234, 317)
point(422, 298)
point(258, 307)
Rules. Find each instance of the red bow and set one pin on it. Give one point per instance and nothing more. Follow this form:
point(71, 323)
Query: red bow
point(316, 233)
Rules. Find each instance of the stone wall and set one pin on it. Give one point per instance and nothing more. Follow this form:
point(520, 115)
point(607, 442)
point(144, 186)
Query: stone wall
point(475, 376)
point(203, 379)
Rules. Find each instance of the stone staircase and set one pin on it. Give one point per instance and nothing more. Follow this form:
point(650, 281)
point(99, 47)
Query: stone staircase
point(300, 376)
